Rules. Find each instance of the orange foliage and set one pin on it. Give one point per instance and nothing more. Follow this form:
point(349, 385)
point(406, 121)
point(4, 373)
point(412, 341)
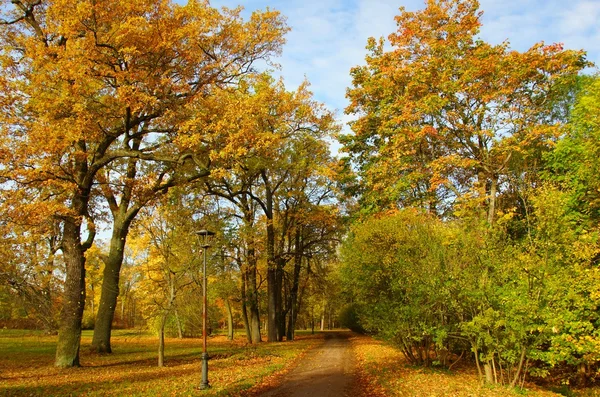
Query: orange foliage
point(443, 112)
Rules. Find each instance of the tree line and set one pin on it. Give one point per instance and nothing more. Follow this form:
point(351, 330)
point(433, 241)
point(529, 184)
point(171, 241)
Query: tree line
point(112, 113)
point(476, 232)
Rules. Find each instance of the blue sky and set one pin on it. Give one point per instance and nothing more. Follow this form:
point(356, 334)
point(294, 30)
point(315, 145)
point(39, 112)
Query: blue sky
point(328, 37)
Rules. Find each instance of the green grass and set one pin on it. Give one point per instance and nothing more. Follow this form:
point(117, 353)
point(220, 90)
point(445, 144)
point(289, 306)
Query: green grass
point(26, 365)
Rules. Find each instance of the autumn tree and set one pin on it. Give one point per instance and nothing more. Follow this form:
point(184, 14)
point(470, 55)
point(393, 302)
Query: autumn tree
point(310, 227)
point(168, 265)
point(30, 272)
point(277, 142)
point(247, 250)
point(87, 84)
point(444, 117)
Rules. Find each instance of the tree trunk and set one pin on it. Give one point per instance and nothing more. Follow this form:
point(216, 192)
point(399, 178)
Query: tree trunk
point(272, 288)
point(161, 341)
point(522, 359)
point(290, 326)
point(476, 351)
point(295, 286)
point(272, 305)
point(255, 324)
point(271, 284)
point(300, 297)
point(279, 300)
point(179, 327)
point(323, 316)
point(110, 288)
point(123, 215)
point(245, 306)
point(69, 333)
point(253, 298)
point(229, 320)
point(489, 376)
point(492, 199)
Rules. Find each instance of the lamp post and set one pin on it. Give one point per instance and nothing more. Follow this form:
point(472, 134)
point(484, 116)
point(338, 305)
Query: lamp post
point(205, 239)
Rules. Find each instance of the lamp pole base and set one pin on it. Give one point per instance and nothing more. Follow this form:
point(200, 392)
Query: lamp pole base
point(204, 384)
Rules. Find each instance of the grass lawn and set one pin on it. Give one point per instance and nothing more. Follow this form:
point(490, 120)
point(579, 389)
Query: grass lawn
point(26, 365)
point(385, 372)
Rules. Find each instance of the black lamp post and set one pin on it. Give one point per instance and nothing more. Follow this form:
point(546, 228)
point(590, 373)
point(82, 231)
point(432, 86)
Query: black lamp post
point(205, 240)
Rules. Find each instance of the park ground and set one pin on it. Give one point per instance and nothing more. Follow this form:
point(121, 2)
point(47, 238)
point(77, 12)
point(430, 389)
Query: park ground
point(330, 363)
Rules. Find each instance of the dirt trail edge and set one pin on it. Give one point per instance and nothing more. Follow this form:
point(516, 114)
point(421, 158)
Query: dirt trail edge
point(327, 370)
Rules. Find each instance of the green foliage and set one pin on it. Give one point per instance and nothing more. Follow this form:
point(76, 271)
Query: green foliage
point(349, 318)
point(575, 162)
point(430, 286)
point(505, 148)
point(405, 275)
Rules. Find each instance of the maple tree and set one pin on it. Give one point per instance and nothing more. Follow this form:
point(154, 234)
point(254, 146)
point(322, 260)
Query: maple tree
point(84, 83)
point(444, 116)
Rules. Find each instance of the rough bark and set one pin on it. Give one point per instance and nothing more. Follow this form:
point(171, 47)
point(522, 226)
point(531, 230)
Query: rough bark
point(253, 302)
point(110, 288)
point(69, 333)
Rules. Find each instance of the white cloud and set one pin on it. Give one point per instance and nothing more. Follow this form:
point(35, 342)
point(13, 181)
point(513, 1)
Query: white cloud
point(581, 19)
point(526, 22)
point(328, 37)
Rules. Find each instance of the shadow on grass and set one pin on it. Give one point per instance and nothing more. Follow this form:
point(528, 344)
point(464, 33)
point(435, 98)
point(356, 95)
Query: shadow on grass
point(127, 378)
point(108, 386)
point(132, 370)
point(100, 382)
point(170, 360)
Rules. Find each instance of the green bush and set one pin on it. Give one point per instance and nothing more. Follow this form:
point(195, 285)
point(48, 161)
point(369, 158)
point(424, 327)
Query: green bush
point(348, 318)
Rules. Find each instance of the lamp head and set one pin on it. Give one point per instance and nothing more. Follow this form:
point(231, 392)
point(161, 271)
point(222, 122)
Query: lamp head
point(205, 237)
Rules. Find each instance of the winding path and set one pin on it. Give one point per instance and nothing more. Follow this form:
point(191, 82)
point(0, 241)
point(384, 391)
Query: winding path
point(327, 370)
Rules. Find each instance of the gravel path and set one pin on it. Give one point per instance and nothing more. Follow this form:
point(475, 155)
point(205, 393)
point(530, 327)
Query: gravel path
point(327, 370)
